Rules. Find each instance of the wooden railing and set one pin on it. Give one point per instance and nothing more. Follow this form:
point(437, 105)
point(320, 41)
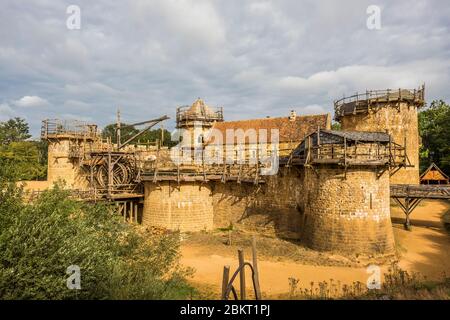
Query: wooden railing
point(354, 154)
point(362, 101)
point(214, 114)
point(420, 191)
point(52, 128)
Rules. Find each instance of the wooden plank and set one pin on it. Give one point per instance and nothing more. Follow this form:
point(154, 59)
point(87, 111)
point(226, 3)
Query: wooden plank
point(242, 273)
point(225, 280)
point(255, 268)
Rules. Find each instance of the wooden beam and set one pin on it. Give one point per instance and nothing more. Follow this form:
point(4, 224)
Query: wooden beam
point(225, 280)
point(242, 273)
point(255, 269)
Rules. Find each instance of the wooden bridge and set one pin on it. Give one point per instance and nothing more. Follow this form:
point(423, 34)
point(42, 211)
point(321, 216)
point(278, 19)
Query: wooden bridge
point(408, 196)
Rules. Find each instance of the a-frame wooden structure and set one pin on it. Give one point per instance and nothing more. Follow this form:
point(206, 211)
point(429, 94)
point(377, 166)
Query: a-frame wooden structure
point(434, 175)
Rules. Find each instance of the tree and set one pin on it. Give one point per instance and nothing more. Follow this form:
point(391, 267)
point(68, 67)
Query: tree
point(110, 132)
point(40, 240)
point(126, 133)
point(14, 130)
point(21, 159)
point(153, 135)
point(434, 129)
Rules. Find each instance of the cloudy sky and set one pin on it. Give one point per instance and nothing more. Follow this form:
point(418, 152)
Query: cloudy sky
point(254, 58)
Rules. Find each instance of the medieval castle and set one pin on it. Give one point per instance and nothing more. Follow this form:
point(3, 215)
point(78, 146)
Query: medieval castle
point(328, 188)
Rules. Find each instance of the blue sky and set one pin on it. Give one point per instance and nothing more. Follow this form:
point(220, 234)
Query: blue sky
point(254, 58)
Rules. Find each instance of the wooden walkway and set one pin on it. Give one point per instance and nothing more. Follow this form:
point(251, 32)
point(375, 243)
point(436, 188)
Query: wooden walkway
point(408, 196)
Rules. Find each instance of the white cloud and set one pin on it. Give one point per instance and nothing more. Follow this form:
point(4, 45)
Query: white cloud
point(254, 58)
point(6, 112)
point(31, 102)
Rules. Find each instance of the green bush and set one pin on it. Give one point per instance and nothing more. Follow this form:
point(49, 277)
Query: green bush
point(39, 241)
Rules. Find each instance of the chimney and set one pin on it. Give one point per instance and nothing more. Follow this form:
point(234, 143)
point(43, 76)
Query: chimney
point(292, 115)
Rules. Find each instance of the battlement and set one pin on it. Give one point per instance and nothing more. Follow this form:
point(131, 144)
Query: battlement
point(363, 102)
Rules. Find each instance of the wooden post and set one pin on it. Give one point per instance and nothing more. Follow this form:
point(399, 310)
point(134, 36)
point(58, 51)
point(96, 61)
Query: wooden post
point(255, 268)
point(345, 158)
point(136, 213)
point(110, 175)
point(131, 212)
point(308, 153)
point(407, 211)
point(406, 156)
point(225, 279)
point(257, 165)
point(318, 142)
point(242, 273)
point(345, 151)
point(118, 136)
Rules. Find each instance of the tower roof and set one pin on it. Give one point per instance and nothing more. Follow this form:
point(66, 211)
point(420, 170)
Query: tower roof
point(198, 111)
point(199, 108)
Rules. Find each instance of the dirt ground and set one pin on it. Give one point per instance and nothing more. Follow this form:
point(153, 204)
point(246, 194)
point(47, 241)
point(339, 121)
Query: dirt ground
point(425, 250)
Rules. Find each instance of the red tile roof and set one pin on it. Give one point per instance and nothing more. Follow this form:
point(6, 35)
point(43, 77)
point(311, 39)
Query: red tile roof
point(289, 130)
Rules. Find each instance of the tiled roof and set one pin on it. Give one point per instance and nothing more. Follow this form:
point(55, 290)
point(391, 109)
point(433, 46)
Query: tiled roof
point(361, 135)
point(289, 130)
point(433, 172)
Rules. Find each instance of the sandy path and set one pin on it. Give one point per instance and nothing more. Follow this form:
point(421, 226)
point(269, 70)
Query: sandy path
point(427, 252)
point(273, 275)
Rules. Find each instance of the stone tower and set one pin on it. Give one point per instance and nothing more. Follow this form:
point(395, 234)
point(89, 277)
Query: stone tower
point(350, 215)
point(67, 141)
point(391, 111)
point(194, 121)
point(184, 205)
point(346, 199)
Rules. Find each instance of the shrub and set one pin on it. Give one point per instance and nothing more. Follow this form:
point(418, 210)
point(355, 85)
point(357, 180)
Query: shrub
point(39, 241)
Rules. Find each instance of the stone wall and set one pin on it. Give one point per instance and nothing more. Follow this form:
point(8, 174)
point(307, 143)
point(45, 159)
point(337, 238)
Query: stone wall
point(187, 207)
point(327, 211)
point(62, 168)
point(399, 121)
point(348, 215)
point(271, 207)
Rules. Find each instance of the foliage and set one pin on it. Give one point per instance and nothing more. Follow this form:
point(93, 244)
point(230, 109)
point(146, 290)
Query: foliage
point(397, 284)
point(21, 159)
point(14, 130)
point(38, 241)
point(336, 126)
point(126, 133)
point(434, 128)
point(110, 132)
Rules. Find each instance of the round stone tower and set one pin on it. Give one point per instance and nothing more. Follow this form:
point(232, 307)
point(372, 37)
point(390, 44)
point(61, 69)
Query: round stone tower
point(184, 207)
point(391, 111)
point(350, 215)
point(66, 142)
point(346, 192)
point(194, 121)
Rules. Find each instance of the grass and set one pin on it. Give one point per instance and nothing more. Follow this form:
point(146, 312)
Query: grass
point(398, 285)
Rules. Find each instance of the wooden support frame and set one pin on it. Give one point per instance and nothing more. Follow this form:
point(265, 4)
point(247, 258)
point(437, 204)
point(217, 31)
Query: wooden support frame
point(408, 207)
